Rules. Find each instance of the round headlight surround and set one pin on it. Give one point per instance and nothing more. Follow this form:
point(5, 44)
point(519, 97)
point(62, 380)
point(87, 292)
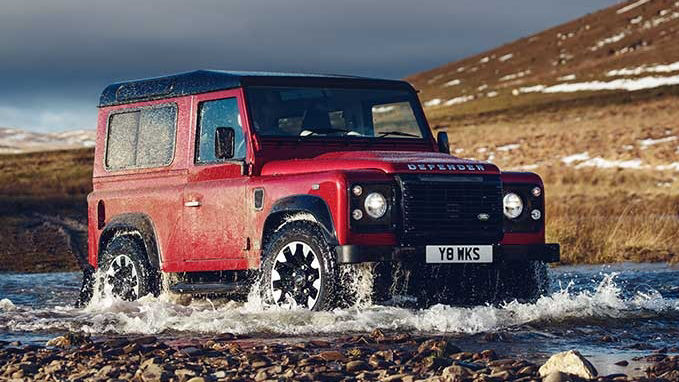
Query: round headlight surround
point(512, 205)
point(375, 205)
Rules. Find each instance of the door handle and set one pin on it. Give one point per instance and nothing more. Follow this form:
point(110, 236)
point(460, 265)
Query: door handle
point(193, 203)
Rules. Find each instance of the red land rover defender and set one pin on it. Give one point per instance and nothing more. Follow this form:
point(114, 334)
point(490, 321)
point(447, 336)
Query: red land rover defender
point(215, 180)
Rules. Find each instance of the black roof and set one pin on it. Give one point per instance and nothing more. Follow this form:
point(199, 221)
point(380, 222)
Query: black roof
point(203, 81)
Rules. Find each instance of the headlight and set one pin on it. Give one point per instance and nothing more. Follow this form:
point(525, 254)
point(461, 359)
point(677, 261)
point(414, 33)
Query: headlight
point(375, 205)
point(512, 205)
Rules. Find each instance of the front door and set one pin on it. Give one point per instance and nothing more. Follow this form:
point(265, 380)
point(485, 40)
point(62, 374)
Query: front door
point(214, 196)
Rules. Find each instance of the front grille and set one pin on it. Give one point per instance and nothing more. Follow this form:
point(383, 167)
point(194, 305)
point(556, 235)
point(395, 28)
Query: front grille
point(445, 209)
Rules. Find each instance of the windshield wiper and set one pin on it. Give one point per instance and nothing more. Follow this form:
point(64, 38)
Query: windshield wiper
point(324, 131)
point(397, 133)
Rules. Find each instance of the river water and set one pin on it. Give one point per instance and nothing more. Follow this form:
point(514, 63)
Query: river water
point(610, 312)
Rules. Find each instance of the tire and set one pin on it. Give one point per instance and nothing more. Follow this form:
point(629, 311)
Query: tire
point(125, 270)
point(299, 268)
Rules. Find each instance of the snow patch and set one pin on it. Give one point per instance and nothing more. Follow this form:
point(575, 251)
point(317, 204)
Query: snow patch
point(509, 147)
point(454, 82)
point(645, 143)
point(575, 158)
point(482, 87)
point(459, 100)
point(529, 89)
point(433, 102)
point(629, 7)
point(605, 163)
point(568, 77)
point(636, 20)
point(608, 40)
point(514, 76)
point(491, 94)
point(629, 84)
point(672, 166)
point(673, 67)
point(506, 57)
point(484, 60)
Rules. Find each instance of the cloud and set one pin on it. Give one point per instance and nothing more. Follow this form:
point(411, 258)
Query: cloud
point(70, 50)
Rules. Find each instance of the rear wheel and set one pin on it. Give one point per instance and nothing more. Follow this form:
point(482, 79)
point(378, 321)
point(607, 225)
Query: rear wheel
point(299, 268)
point(126, 273)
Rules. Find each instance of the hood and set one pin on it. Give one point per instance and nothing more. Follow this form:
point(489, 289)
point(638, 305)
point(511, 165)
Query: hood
point(390, 162)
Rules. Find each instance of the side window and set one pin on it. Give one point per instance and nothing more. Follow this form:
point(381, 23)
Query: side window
point(142, 138)
point(214, 114)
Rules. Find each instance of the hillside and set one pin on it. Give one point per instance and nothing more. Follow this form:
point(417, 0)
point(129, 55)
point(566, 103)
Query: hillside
point(43, 209)
point(627, 47)
point(590, 105)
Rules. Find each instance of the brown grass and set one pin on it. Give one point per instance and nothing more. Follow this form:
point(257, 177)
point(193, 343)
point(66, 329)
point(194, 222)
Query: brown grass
point(43, 174)
point(598, 215)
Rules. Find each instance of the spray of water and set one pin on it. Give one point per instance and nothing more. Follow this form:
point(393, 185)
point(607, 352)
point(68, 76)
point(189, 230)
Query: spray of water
point(164, 314)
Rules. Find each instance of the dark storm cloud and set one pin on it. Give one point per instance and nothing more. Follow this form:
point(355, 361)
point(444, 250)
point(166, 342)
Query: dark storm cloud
point(55, 56)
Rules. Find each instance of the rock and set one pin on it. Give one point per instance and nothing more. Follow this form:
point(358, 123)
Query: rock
point(132, 348)
point(489, 355)
point(184, 373)
point(356, 366)
point(672, 375)
point(53, 367)
point(457, 371)
point(261, 376)
point(569, 362)
point(469, 365)
point(145, 340)
point(59, 342)
point(527, 371)
point(504, 375)
point(332, 356)
point(192, 351)
point(196, 379)
point(442, 348)
point(557, 376)
point(397, 378)
point(116, 343)
point(377, 335)
point(152, 372)
point(219, 374)
point(328, 377)
point(104, 371)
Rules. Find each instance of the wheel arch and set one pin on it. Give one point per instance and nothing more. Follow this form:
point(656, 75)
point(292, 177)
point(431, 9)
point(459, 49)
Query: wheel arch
point(286, 209)
point(137, 225)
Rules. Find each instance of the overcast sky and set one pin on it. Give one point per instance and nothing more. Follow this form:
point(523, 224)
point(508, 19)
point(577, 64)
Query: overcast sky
point(56, 56)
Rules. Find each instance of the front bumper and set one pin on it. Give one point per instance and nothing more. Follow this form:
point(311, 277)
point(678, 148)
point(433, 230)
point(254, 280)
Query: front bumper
point(351, 254)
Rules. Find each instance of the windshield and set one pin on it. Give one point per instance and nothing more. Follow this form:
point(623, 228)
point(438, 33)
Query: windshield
point(332, 112)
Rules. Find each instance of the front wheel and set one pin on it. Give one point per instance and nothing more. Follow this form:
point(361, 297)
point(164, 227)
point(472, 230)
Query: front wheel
point(126, 273)
point(299, 268)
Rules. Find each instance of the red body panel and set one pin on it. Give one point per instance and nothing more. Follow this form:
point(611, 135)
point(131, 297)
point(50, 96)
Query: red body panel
point(225, 232)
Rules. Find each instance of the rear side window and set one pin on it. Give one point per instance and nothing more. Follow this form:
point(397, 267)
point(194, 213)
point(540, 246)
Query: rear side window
point(142, 138)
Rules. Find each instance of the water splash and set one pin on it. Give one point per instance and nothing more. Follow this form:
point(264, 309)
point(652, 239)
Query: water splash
point(603, 300)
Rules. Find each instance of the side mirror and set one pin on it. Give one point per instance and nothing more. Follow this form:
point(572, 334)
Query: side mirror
point(224, 142)
point(442, 139)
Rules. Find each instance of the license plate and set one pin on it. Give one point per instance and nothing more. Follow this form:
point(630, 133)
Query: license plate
point(459, 254)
